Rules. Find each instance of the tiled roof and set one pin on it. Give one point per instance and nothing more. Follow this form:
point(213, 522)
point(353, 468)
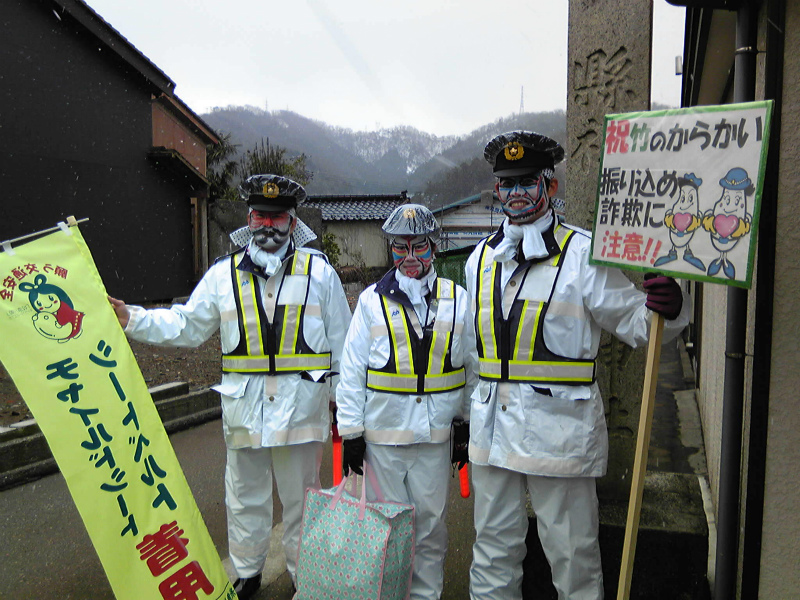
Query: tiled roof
point(355, 208)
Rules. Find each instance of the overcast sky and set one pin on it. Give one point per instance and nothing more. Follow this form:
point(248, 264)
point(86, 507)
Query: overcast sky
point(442, 66)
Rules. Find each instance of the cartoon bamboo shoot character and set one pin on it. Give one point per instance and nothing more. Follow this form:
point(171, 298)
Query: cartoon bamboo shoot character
point(682, 220)
point(728, 221)
point(55, 317)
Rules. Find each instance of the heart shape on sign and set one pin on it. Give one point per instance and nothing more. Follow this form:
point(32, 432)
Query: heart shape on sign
point(725, 225)
point(682, 221)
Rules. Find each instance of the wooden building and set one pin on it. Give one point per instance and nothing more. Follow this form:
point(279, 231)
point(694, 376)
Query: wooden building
point(467, 221)
point(91, 128)
point(355, 224)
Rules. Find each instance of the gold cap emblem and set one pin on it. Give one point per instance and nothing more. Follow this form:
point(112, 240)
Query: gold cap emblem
point(514, 151)
point(409, 213)
point(271, 190)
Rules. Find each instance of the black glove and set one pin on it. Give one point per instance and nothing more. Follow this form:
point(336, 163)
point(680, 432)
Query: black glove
point(353, 455)
point(459, 438)
point(663, 295)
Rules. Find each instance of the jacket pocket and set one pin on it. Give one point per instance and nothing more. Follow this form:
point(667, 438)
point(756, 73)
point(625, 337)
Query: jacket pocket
point(482, 392)
point(556, 426)
point(233, 385)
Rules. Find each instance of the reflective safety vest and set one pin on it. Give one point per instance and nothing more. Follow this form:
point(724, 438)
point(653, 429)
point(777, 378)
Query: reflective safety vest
point(420, 365)
point(271, 340)
point(513, 348)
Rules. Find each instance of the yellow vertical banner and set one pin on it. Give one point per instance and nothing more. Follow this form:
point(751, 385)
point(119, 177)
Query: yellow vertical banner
point(63, 347)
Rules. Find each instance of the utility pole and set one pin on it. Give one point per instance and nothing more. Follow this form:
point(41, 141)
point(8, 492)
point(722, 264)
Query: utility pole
point(521, 99)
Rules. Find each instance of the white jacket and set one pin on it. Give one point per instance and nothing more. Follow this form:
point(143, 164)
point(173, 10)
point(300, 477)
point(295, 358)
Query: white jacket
point(559, 429)
point(391, 418)
point(260, 410)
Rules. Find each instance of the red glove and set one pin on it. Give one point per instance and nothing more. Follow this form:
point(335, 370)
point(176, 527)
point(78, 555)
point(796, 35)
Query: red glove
point(663, 295)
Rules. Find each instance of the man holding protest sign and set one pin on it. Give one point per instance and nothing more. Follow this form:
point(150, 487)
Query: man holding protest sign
point(282, 316)
point(537, 418)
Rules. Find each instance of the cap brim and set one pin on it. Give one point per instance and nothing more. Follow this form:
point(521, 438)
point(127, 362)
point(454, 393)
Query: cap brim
point(518, 171)
point(272, 204)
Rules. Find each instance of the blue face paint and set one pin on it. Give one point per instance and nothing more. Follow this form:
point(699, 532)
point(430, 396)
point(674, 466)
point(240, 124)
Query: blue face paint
point(522, 197)
point(412, 256)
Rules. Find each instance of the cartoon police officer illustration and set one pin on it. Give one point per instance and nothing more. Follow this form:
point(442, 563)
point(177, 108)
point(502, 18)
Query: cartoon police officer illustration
point(682, 220)
point(728, 221)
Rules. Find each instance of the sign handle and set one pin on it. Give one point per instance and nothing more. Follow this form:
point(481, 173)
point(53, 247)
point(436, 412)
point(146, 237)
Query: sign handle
point(640, 459)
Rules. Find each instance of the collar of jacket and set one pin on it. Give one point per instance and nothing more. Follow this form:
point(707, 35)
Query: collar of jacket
point(550, 242)
point(247, 264)
point(390, 288)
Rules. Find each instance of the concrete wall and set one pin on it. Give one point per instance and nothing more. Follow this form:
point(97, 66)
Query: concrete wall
point(712, 373)
point(360, 240)
point(609, 72)
point(780, 576)
point(780, 549)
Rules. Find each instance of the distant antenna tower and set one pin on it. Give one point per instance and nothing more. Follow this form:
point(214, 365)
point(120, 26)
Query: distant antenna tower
point(521, 99)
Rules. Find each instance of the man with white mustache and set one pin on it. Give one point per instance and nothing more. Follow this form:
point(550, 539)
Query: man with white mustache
point(537, 423)
point(282, 316)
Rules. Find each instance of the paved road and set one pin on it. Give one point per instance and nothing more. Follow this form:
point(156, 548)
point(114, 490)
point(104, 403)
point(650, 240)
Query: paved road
point(46, 554)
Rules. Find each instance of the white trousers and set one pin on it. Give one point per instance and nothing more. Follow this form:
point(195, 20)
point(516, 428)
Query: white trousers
point(248, 498)
point(568, 524)
point(418, 474)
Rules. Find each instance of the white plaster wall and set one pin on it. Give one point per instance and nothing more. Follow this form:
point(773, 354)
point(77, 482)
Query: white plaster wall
point(780, 554)
point(360, 240)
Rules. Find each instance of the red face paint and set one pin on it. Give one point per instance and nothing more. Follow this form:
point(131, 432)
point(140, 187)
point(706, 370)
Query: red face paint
point(412, 256)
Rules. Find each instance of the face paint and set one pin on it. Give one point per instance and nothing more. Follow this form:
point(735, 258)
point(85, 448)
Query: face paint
point(271, 230)
point(412, 256)
point(523, 198)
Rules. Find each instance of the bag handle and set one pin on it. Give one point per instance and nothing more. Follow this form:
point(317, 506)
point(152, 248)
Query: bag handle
point(362, 504)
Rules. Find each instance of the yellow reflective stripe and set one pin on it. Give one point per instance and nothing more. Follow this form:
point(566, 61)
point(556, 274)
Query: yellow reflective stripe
point(562, 234)
point(526, 330)
point(251, 321)
point(288, 342)
point(550, 371)
point(398, 324)
point(407, 343)
point(291, 319)
point(433, 354)
point(306, 362)
point(399, 383)
point(440, 342)
point(486, 307)
point(289, 315)
point(520, 328)
point(446, 288)
point(439, 382)
point(283, 362)
point(304, 267)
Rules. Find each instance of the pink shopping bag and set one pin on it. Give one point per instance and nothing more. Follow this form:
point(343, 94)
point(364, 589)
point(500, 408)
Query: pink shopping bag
point(354, 549)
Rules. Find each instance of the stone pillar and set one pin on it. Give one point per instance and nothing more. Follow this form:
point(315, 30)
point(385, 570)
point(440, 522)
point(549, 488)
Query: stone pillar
point(609, 72)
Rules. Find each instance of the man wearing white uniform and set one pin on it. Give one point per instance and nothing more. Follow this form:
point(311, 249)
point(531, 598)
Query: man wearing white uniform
point(408, 369)
point(282, 316)
point(537, 418)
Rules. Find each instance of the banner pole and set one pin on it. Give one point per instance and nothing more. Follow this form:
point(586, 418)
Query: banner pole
point(640, 459)
point(70, 221)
